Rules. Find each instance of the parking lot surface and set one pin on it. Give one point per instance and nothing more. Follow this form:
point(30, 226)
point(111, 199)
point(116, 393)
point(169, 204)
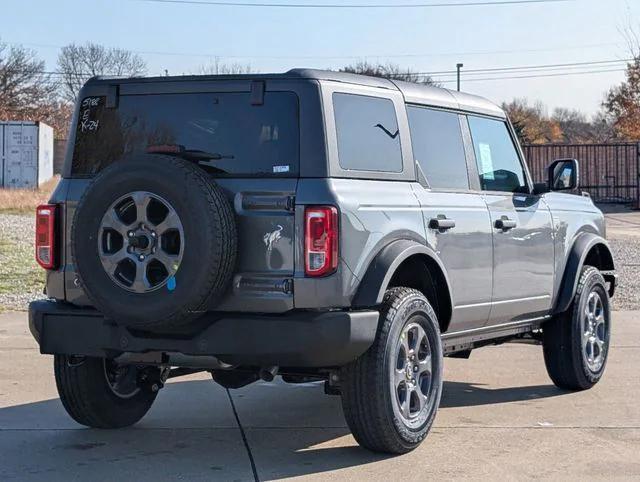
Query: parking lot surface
point(500, 417)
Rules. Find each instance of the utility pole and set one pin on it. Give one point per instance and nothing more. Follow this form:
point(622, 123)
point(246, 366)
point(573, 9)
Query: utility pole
point(458, 67)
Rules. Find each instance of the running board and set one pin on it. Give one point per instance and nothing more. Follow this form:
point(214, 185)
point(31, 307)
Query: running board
point(469, 339)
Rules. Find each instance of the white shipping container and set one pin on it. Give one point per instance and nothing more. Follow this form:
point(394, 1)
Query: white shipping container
point(27, 154)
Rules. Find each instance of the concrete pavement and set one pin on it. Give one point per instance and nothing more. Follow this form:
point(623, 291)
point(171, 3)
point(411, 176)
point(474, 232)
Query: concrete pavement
point(500, 417)
point(621, 220)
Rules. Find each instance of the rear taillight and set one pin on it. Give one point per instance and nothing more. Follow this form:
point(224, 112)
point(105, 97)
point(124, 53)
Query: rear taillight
point(320, 240)
point(46, 236)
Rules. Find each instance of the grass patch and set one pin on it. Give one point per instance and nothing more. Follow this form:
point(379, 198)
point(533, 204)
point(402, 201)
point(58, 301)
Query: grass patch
point(21, 278)
point(25, 201)
point(19, 272)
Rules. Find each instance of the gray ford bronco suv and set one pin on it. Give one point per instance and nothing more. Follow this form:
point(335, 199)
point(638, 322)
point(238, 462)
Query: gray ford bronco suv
point(312, 225)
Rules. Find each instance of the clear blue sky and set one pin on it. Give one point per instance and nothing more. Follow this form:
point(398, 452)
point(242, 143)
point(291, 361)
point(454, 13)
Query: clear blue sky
point(181, 38)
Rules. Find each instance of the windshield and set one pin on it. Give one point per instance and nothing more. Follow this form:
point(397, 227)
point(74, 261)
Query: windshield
point(221, 131)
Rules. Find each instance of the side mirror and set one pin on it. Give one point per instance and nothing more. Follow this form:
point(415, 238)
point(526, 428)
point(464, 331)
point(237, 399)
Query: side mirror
point(563, 175)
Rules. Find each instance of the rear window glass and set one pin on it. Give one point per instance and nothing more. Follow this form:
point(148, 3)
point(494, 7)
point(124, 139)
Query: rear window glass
point(222, 131)
point(438, 147)
point(367, 131)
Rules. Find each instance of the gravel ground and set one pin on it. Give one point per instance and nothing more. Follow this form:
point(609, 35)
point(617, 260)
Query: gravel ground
point(21, 279)
point(626, 254)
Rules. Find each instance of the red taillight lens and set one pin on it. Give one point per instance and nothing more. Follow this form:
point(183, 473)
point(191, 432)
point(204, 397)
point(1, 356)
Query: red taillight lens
point(320, 240)
point(46, 236)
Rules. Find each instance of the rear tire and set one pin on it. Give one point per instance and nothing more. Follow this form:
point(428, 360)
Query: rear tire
point(576, 343)
point(91, 400)
point(389, 397)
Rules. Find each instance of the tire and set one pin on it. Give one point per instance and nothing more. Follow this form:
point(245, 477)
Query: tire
point(565, 356)
point(371, 397)
point(90, 400)
point(205, 256)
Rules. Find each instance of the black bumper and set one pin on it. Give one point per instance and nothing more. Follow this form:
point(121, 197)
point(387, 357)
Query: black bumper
point(296, 339)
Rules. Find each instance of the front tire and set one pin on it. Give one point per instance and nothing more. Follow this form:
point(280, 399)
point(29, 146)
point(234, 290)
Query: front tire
point(390, 394)
point(576, 343)
point(94, 394)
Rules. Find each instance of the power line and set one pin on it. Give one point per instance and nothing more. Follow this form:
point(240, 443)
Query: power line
point(528, 67)
point(539, 67)
point(533, 71)
point(357, 5)
point(570, 70)
point(352, 57)
point(575, 70)
point(538, 76)
point(509, 77)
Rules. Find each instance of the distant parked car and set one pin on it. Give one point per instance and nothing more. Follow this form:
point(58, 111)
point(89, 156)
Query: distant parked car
point(314, 225)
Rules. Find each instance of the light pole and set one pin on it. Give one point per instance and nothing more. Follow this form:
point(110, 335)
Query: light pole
point(458, 67)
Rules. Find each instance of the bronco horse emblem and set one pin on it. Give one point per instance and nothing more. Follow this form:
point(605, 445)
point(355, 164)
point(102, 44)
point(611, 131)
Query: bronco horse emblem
point(273, 237)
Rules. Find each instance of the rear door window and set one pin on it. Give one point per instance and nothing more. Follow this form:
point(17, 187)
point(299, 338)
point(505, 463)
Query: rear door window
point(222, 131)
point(367, 133)
point(438, 147)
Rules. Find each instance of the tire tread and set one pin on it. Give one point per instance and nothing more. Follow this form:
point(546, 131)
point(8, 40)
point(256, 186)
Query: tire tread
point(561, 348)
point(84, 395)
point(363, 406)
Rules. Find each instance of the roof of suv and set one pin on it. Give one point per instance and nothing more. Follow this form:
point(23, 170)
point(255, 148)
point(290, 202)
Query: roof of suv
point(413, 93)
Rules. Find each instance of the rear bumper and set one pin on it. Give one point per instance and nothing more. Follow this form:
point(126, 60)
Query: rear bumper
point(297, 339)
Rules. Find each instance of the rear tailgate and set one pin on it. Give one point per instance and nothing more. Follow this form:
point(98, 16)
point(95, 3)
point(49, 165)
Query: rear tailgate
point(266, 244)
point(254, 151)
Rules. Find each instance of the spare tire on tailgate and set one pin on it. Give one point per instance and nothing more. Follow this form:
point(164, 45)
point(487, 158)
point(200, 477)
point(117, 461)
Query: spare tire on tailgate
point(154, 242)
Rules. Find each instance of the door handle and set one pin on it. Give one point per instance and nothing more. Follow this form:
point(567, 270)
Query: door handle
point(442, 223)
point(505, 223)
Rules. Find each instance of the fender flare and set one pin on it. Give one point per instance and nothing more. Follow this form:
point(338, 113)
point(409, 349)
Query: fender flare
point(384, 265)
point(575, 261)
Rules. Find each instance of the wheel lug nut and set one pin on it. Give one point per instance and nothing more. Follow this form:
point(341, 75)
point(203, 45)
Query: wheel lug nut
point(130, 234)
point(153, 234)
point(141, 257)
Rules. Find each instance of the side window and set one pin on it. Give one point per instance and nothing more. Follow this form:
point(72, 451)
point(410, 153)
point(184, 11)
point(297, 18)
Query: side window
point(367, 132)
point(438, 147)
point(499, 166)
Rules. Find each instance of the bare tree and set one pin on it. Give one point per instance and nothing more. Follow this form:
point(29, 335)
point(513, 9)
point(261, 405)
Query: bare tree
point(532, 123)
point(216, 67)
point(602, 128)
point(575, 127)
point(28, 93)
point(622, 103)
point(78, 63)
point(630, 33)
point(24, 85)
point(388, 71)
